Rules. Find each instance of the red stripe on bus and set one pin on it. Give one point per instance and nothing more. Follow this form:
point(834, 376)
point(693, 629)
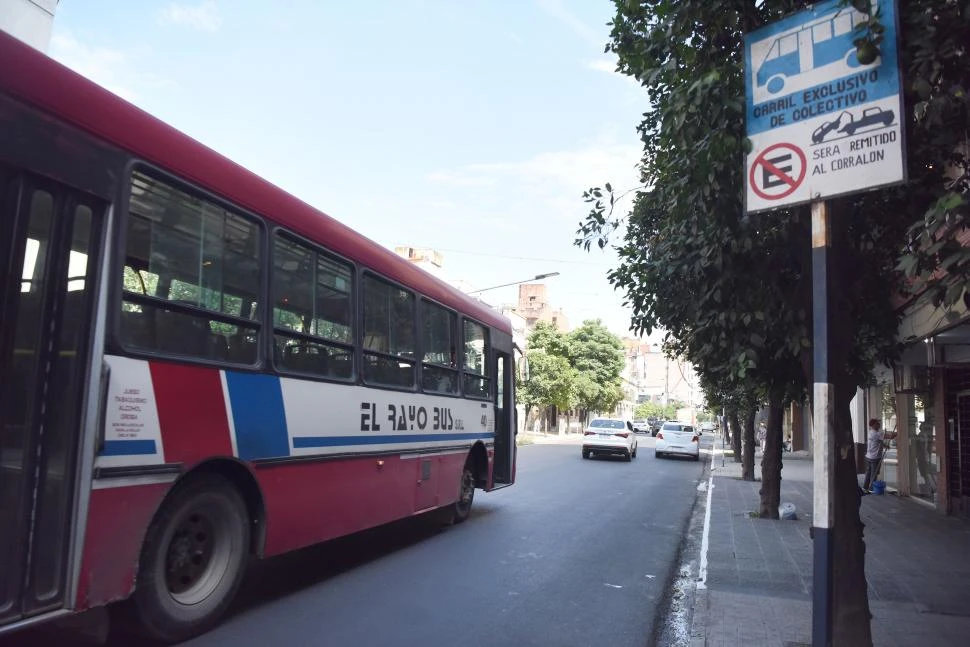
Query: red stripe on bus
point(191, 412)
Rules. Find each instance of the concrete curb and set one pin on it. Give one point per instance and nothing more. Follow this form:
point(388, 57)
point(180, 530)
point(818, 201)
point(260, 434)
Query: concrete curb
point(678, 621)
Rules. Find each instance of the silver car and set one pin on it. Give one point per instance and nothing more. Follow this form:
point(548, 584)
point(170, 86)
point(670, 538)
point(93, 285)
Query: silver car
point(609, 436)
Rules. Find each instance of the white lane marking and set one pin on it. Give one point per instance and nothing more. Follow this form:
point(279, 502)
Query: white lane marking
point(615, 586)
point(705, 541)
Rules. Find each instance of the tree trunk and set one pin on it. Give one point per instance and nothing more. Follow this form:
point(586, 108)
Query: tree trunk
point(771, 459)
point(735, 434)
point(747, 453)
point(850, 603)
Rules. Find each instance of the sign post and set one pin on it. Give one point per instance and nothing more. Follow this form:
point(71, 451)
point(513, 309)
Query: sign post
point(823, 445)
point(821, 124)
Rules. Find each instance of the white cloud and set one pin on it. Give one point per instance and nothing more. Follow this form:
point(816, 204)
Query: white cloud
point(566, 174)
point(203, 17)
point(112, 69)
point(602, 65)
point(558, 10)
point(102, 65)
point(460, 178)
point(441, 204)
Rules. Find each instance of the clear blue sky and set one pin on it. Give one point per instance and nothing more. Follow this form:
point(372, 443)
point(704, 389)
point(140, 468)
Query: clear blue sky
point(471, 127)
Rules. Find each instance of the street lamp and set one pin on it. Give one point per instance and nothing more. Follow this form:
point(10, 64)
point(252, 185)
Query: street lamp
point(537, 277)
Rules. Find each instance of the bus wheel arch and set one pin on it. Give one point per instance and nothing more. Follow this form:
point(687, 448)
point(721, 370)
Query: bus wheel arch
point(242, 478)
point(478, 459)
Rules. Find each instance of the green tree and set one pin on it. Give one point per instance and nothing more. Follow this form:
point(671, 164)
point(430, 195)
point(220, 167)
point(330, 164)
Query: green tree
point(733, 291)
point(551, 382)
point(597, 356)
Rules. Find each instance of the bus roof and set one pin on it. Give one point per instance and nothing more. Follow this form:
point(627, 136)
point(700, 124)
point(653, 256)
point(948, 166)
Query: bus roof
point(34, 78)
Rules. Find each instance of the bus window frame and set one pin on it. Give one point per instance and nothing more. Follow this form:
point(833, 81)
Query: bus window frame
point(415, 332)
point(487, 354)
point(355, 292)
point(455, 336)
point(114, 344)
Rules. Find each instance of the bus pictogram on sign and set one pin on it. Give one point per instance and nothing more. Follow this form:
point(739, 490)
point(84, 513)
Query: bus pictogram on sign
point(777, 171)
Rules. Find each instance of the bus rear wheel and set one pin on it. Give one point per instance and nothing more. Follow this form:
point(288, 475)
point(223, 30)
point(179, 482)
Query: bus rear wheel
point(193, 560)
point(458, 511)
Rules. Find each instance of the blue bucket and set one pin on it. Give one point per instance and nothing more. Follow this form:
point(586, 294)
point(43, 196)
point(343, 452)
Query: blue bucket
point(878, 487)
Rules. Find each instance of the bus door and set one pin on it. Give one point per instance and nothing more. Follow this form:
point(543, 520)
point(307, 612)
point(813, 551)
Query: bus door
point(503, 472)
point(48, 240)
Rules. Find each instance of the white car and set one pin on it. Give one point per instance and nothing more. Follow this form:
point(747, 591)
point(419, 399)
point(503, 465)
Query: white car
point(678, 438)
point(708, 426)
point(609, 436)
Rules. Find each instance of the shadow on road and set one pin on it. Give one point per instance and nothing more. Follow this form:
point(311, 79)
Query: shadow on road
point(270, 579)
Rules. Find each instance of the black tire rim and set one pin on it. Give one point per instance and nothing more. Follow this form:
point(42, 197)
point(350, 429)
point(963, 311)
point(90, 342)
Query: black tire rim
point(467, 493)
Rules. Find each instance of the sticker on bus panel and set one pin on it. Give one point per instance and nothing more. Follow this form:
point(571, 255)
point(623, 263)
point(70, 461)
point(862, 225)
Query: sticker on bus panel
point(806, 55)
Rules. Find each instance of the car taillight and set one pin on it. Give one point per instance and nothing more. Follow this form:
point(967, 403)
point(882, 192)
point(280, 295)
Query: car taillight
point(694, 439)
point(589, 433)
point(622, 434)
point(660, 435)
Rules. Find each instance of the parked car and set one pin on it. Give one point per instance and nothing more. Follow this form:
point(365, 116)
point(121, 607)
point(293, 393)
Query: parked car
point(641, 426)
point(610, 436)
point(678, 438)
point(655, 425)
point(709, 426)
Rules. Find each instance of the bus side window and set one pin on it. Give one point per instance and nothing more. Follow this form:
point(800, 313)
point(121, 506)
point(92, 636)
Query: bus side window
point(389, 344)
point(438, 327)
point(191, 276)
point(312, 310)
point(476, 379)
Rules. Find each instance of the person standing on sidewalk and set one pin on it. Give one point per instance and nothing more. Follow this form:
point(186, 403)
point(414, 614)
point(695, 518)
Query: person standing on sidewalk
point(874, 450)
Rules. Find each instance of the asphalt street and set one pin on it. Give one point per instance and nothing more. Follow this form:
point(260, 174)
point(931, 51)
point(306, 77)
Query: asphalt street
point(577, 552)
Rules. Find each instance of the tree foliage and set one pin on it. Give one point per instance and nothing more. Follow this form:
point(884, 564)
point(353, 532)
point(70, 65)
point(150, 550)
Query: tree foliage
point(579, 369)
point(597, 356)
point(657, 410)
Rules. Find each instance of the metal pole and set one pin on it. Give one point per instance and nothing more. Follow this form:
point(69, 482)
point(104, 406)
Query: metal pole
point(823, 446)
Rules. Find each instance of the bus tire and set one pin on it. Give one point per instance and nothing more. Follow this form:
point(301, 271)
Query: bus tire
point(460, 509)
point(192, 561)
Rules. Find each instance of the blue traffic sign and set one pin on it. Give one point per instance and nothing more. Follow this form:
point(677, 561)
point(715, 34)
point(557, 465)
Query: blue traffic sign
point(806, 90)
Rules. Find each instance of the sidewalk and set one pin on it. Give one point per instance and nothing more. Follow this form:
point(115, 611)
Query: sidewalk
point(759, 572)
point(539, 438)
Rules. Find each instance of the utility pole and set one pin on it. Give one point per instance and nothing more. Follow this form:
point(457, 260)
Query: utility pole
point(666, 381)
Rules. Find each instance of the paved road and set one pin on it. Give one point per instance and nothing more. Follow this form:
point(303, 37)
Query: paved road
point(578, 552)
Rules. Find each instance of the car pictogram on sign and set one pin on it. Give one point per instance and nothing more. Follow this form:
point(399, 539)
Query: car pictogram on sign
point(777, 171)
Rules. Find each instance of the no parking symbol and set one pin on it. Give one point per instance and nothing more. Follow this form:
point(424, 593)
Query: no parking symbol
point(777, 171)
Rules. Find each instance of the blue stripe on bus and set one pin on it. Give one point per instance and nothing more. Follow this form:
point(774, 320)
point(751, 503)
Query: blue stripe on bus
point(303, 442)
point(128, 448)
point(258, 415)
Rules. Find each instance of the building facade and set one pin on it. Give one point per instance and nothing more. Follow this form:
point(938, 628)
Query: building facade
point(29, 20)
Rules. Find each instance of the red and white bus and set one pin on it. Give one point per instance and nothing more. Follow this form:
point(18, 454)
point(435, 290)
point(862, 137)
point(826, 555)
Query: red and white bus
point(196, 367)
